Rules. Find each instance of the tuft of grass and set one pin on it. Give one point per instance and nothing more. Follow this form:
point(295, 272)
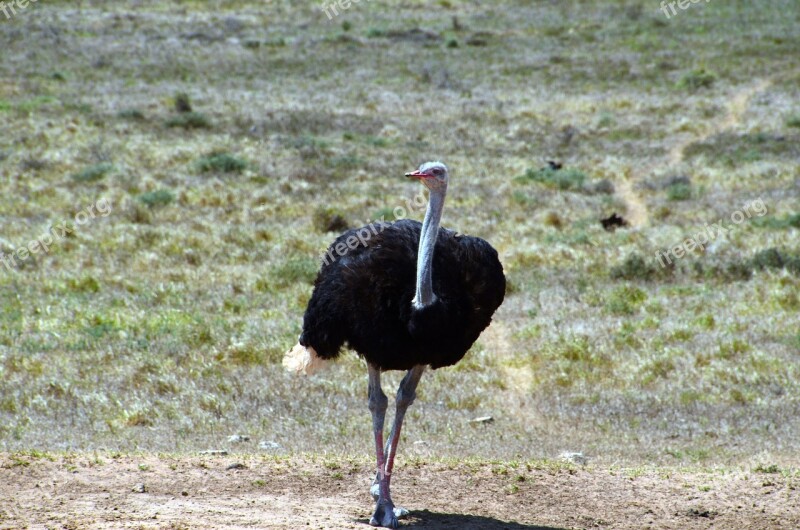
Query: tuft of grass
point(565, 179)
point(85, 284)
point(189, 120)
point(625, 300)
point(221, 162)
point(576, 350)
point(697, 79)
point(770, 258)
point(553, 219)
point(182, 103)
point(247, 355)
point(659, 368)
point(774, 258)
point(576, 359)
point(329, 219)
point(793, 121)
point(34, 104)
point(92, 173)
point(635, 267)
point(140, 418)
point(155, 198)
point(729, 271)
point(295, 270)
point(734, 150)
point(767, 468)
point(131, 115)
point(778, 223)
point(733, 349)
point(679, 192)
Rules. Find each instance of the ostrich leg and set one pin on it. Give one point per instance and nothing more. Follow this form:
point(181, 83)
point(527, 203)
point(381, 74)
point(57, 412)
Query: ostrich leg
point(406, 394)
point(384, 508)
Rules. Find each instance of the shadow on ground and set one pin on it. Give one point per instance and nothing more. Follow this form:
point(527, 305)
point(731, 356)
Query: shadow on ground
point(423, 519)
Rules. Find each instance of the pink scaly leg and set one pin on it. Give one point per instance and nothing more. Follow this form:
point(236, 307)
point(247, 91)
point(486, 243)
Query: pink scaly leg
point(384, 508)
point(406, 394)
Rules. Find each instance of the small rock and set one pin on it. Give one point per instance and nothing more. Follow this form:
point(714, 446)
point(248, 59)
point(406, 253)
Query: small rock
point(483, 419)
point(420, 442)
point(268, 445)
point(139, 488)
point(236, 465)
point(575, 458)
point(238, 438)
point(214, 452)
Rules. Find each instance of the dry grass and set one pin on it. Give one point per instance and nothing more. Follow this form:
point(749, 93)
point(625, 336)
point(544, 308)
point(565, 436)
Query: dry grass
point(161, 326)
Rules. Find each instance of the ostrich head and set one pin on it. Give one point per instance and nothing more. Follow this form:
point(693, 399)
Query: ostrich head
point(432, 174)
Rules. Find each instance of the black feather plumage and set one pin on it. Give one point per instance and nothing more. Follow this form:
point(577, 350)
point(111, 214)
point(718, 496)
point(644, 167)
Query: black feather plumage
point(363, 298)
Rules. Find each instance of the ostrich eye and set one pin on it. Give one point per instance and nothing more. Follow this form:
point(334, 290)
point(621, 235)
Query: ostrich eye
point(437, 172)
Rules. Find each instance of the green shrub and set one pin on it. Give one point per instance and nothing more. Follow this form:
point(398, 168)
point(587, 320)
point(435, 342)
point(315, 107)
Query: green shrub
point(131, 114)
point(777, 223)
point(773, 258)
point(92, 173)
point(679, 192)
point(155, 198)
point(221, 162)
point(562, 179)
point(635, 267)
point(697, 79)
point(793, 121)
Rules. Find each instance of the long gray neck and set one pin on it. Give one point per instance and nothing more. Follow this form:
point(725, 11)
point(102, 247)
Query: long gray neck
point(427, 242)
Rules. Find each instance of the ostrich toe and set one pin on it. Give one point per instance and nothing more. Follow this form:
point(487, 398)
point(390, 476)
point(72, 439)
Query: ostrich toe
point(399, 511)
point(384, 516)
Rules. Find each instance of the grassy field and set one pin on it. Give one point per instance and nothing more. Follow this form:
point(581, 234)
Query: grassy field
point(194, 160)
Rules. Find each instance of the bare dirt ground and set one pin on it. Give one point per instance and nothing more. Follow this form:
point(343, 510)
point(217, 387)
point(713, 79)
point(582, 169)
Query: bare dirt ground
point(241, 491)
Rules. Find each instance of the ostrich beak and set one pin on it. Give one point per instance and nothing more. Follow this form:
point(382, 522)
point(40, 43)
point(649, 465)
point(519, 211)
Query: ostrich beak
point(418, 175)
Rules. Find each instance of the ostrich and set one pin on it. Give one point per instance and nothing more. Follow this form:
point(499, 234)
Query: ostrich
point(408, 296)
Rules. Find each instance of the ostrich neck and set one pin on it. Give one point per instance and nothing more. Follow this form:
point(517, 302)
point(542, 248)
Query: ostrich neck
point(427, 242)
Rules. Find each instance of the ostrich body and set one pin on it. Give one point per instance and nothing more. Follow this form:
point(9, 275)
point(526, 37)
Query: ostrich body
point(408, 296)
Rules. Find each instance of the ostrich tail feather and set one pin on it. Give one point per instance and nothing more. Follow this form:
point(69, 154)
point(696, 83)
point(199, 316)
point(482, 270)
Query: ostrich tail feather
point(303, 360)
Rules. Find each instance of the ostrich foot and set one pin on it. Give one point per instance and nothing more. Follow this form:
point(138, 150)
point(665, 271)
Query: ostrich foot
point(384, 515)
point(399, 511)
